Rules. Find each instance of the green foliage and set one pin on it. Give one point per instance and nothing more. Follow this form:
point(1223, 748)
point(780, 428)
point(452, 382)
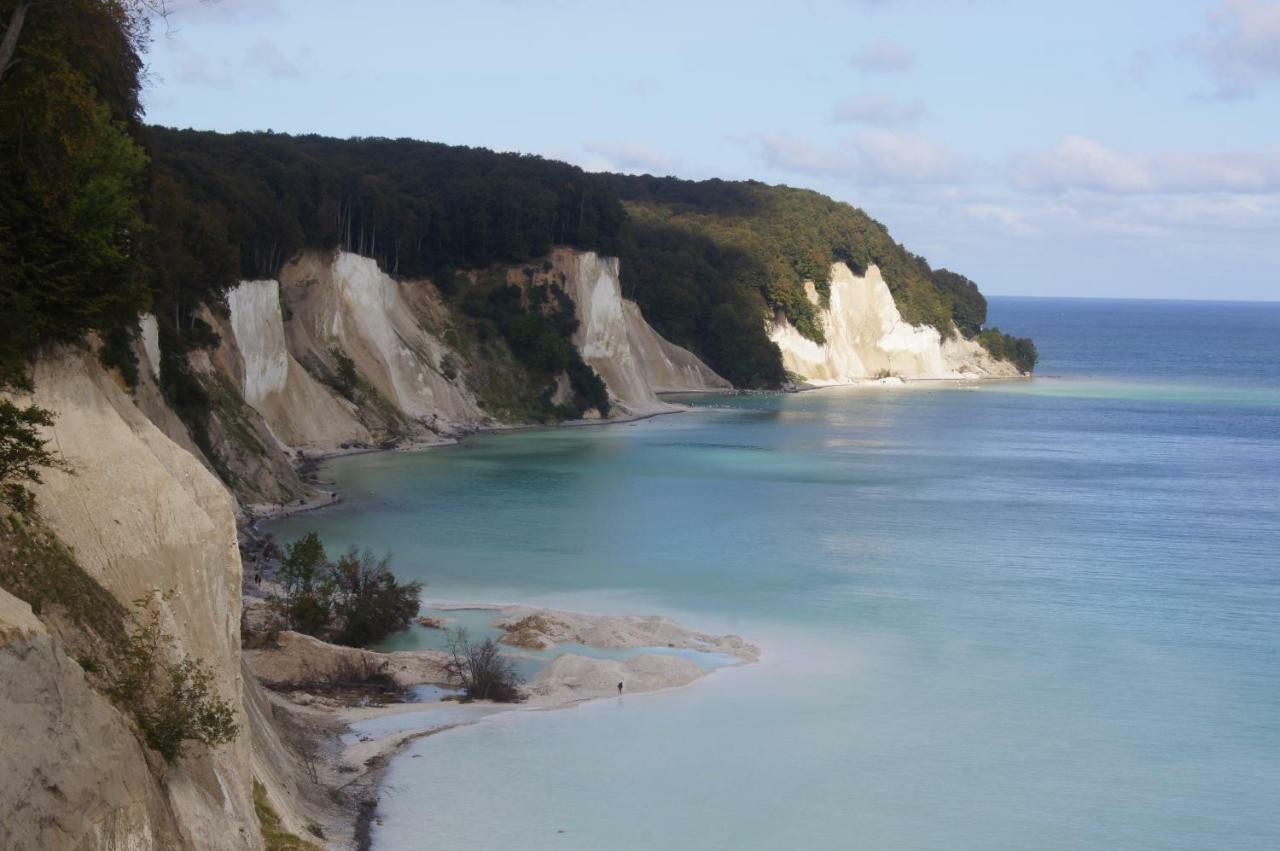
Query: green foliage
point(537, 323)
point(274, 836)
point(1020, 351)
point(304, 576)
point(36, 567)
point(181, 389)
point(417, 208)
point(369, 603)
point(22, 452)
point(117, 352)
point(346, 378)
point(701, 294)
point(71, 180)
point(355, 601)
point(968, 306)
point(173, 702)
point(786, 236)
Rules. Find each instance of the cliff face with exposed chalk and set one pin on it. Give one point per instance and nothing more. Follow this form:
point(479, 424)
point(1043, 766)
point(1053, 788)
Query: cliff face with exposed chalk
point(866, 337)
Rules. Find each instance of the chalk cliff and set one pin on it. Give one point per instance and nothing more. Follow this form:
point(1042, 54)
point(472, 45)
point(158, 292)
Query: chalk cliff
point(144, 518)
point(866, 337)
point(635, 362)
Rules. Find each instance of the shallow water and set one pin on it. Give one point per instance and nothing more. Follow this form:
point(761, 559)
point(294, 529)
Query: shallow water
point(1027, 614)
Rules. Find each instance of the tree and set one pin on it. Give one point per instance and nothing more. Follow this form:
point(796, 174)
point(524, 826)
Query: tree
point(369, 603)
point(355, 601)
point(22, 452)
point(308, 594)
point(71, 177)
point(481, 669)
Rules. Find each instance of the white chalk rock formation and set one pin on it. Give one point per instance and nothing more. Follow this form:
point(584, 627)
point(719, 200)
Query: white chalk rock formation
point(633, 360)
point(299, 410)
point(346, 302)
point(866, 337)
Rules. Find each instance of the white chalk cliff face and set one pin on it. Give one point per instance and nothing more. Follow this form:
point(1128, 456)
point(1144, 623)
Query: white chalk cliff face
point(347, 302)
point(141, 515)
point(299, 410)
point(866, 337)
point(633, 360)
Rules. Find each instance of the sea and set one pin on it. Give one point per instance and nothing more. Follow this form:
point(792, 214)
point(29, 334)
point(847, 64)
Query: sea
point(1037, 613)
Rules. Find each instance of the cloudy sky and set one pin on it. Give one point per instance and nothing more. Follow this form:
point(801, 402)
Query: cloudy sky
point(1089, 148)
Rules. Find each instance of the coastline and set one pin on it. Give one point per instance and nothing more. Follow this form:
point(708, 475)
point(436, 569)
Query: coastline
point(351, 740)
point(307, 462)
point(354, 741)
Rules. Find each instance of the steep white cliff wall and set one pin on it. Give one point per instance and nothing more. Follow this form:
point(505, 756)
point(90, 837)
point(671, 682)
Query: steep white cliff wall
point(72, 774)
point(866, 337)
point(347, 302)
point(300, 411)
point(634, 361)
point(143, 515)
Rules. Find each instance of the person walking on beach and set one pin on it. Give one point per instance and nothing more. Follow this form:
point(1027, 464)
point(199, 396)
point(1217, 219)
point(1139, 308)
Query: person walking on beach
point(619, 688)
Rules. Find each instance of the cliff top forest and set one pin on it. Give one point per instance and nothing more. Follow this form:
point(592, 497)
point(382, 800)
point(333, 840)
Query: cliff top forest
point(102, 217)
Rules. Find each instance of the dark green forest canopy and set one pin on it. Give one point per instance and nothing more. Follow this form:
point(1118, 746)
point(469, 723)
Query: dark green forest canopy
point(72, 176)
point(255, 199)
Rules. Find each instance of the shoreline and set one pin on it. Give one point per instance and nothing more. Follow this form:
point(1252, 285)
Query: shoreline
point(352, 741)
point(305, 462)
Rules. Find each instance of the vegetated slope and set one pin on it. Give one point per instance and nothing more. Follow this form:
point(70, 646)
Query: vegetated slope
point(704, 257)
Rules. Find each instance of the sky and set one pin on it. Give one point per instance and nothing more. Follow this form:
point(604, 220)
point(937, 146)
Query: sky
point(1120, 149)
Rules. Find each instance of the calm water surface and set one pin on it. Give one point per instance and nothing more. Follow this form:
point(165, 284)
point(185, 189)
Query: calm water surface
point(1029, 614)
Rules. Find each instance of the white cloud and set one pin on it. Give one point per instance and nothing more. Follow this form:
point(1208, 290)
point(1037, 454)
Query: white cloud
point(882, 57)
point(1080, 163)
point(630, 157)
point(1242, 47)
point(879, 157)
point(1001, 217)
point(878, 110)
point(1077, 162)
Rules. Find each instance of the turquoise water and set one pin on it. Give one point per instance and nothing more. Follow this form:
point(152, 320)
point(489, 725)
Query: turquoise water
point(1032, 614)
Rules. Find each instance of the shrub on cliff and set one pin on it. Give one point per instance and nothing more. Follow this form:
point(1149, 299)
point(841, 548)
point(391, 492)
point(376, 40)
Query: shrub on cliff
point(173, 702)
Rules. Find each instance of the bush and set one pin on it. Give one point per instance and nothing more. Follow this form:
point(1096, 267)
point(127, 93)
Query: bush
point(368, 602)
point(355, 601)
point(172, 702)
point(117, 352)
point(346, 378)
point(481, 669)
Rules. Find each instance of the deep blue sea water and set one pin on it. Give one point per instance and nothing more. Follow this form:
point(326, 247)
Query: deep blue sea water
point(1021, 614)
